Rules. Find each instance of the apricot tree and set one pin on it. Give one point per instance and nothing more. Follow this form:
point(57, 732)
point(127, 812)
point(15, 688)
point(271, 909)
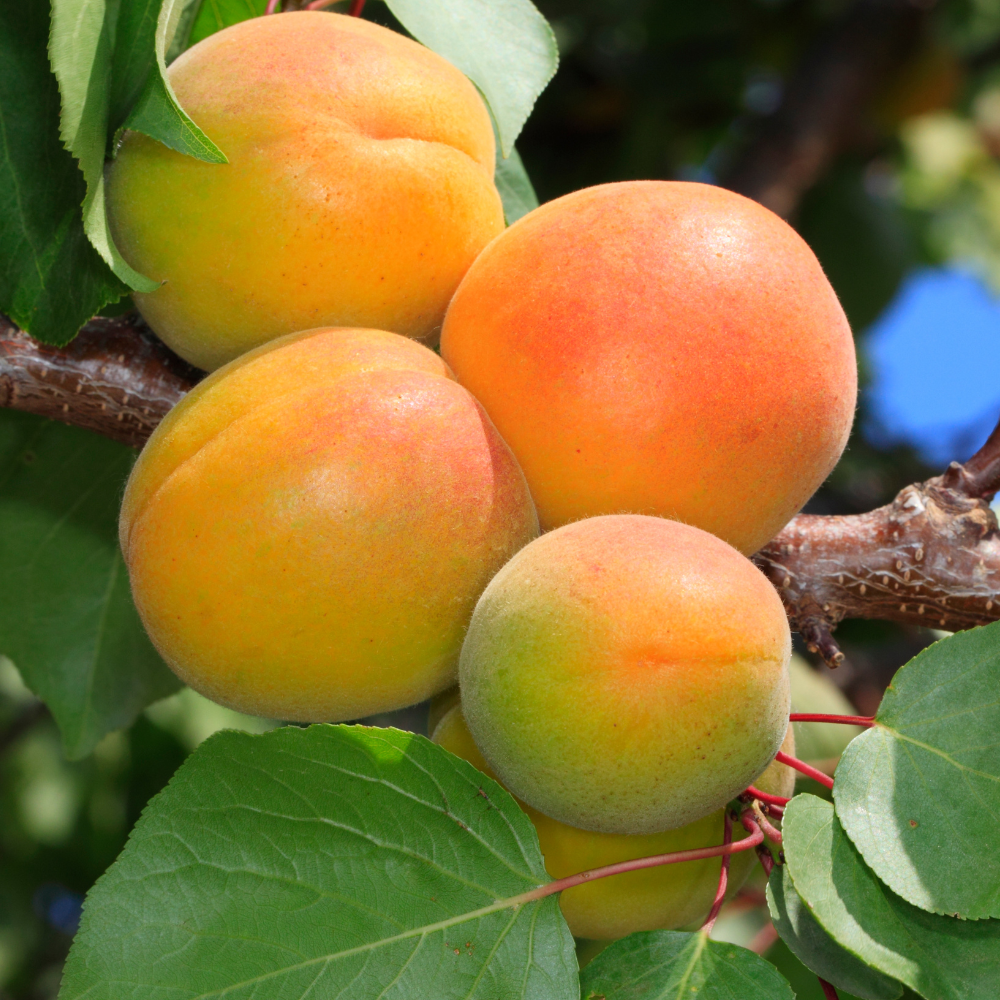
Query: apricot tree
point(356, 861)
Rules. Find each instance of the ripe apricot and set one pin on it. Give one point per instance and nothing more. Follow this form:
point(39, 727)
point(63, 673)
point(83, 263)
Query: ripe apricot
point(359, 187)
point(667, 897)
point(662, 348)
point(627, 674)
point(308, 530)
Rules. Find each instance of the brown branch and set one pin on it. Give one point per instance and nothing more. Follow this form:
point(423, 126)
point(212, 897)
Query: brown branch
point(825, 100)
point(116, 378)
point(931, 557)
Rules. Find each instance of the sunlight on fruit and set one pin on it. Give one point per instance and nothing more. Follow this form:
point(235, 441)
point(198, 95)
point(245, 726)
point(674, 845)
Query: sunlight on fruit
point(192, 719)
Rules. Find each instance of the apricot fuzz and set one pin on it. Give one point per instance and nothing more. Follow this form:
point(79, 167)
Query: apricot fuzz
point(659, 347)
point(358, 191)
point(307, 532)
point(627, 674)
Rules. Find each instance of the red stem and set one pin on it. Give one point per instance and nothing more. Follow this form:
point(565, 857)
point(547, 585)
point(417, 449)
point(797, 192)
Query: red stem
point(766, 859)
point(769, 829)
point(272, 6)
point(847, 720)
point(828, 990)
point(804, 768)
point(357, 6)
point(771, 800)
point(636, 864)
point(720, 892)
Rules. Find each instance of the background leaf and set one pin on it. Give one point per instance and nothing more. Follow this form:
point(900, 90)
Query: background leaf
point(942, 958)
point(670, 965)
point(333, 861)
point(214, 15)
point(66, 615)
point(514, 185)
point(816, 949)
point(505, 47)
point(51, 279)
point(919, 794)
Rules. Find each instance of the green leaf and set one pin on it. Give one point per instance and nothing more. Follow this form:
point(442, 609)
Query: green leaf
point(81, 51)
point(816, 949)
point(942, 958)
point(157, 113)
point(66, 615)
point(333, 861)
point(919, 793)
point(104, 53)
point(215, 15)
point(516, 192)
point(505, 47)
point(51, 279)
point(670, 965)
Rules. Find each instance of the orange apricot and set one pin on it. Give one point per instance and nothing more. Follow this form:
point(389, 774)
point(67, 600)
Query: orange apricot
point(627, 674)
point(659, 347)
point(307, 532)
point(358, 191)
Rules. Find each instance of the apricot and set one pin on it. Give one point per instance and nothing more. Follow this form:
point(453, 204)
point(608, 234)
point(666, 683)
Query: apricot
point(627, 674)
point(307, 532)
point(659, 347)
point(667, 897)
point(358, 191)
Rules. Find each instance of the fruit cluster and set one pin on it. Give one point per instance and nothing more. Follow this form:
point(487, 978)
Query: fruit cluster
point(339, 521)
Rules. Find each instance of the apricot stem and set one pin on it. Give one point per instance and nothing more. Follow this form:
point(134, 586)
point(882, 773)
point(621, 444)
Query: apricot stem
point(848, 720)
point(653, 861)
point(272, 6)
point(804, 768)
point(720, 892)
point(766, 859)
point(357, 6)
point(765, 824)
point(771, 800)
point(829, 991)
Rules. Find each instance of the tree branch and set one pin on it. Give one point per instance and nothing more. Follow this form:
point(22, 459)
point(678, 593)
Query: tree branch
point(931, 557)
point(115, 378)
point(825, 100)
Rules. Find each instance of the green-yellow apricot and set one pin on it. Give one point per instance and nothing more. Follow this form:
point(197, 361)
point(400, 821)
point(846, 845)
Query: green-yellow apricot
point(358, 191)
point(666, 897)
point(627, 674)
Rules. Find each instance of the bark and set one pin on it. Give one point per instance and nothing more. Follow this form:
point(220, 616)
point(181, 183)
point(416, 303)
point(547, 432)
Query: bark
point(115, 378)
point(826, 100)
point(931, 557)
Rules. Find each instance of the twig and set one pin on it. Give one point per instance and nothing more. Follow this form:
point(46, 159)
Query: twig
point(803, 768)
point(720, 892)
point(828, 990)
point(848, 720)
point(756, 793)
point(654, 861)
point(770, 830)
